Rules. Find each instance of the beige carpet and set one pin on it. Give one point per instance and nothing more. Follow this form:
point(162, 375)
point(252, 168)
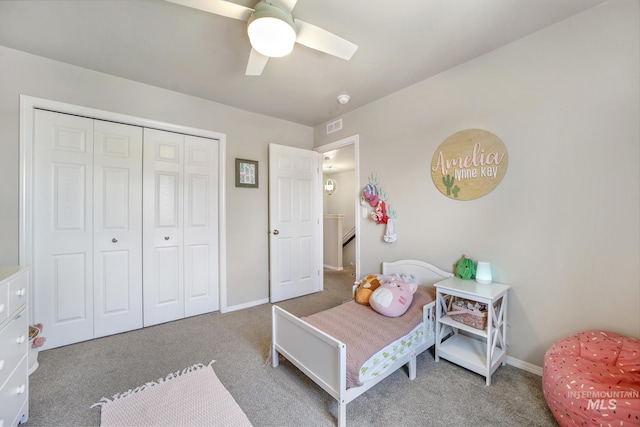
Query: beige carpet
point(194, 396)
point(71, 378)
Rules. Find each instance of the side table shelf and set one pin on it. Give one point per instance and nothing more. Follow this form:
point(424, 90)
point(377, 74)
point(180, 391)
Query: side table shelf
point(479, 350)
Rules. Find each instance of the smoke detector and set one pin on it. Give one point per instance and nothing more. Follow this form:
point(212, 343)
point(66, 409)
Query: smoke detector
point(343, 99)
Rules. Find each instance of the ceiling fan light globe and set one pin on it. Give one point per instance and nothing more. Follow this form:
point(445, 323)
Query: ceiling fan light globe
point(271, 37)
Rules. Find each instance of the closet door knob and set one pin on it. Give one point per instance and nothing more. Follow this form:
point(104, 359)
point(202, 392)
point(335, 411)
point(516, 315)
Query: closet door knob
point(114, 240)
point(276, 232)
point(166, 237)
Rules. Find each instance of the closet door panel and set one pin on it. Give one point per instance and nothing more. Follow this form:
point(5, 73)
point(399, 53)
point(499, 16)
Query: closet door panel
point(68, 281)
point(198, 260)
point(115, 289)
point(163, 252)
point(201, 225)
point(167, 200)
point(69, 197)
point(168, 267)
point(63, 227)
point(117, 228)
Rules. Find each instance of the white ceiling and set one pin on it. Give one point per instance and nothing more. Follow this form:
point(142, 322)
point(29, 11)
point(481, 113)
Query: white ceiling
point(339, 160)
point(204, 55)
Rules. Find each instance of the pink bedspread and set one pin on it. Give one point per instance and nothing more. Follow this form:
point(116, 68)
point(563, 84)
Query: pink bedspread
point(364, 331)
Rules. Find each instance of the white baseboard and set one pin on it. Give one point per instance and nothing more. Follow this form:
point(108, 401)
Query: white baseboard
point(331, 267)
point(247, 305)
point(524, 365)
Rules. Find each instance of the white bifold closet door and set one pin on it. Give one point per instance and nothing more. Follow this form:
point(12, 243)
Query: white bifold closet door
point(87, 227)
point(180, 231)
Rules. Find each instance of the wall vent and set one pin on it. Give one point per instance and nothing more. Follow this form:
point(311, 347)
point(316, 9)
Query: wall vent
point(334, 126)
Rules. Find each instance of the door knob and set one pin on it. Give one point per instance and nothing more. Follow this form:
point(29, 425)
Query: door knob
point(166, 237)
point(114, 240)
point(276, 232)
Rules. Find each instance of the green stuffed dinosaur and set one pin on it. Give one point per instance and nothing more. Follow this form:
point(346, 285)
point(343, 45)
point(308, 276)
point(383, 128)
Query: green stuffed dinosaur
point(465, 268)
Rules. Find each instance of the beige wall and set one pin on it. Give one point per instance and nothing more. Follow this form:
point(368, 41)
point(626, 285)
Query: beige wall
point(248, 136)
point(563, 226)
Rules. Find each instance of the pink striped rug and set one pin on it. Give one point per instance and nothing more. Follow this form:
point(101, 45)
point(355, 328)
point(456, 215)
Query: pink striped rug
point(194, 396)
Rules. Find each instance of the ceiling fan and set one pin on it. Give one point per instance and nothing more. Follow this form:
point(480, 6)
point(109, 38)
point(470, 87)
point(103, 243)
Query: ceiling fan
point(273, 30)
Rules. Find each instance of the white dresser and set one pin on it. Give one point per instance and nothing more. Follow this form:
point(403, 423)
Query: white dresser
point(14, 345)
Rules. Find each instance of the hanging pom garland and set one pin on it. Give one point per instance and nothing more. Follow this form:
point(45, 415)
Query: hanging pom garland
point(382, 213)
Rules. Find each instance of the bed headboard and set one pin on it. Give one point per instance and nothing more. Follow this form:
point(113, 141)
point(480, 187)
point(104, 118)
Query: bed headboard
point(425, 273)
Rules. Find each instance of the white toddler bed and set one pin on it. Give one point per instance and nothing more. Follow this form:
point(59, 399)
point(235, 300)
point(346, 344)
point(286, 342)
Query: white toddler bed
point(323, 358)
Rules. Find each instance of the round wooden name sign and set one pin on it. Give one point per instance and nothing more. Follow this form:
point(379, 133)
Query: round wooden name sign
point(469, 164)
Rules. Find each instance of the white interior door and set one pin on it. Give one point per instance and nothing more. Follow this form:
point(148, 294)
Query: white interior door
point(295, 213)
point(163, 258)
point(63, 227)
point(200, 225)
point(117, 228)
point(180, 215)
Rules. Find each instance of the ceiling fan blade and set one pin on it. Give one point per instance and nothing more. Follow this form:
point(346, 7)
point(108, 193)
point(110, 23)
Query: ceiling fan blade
point(290, 4)
point(316, 38)
point(256, 63)
point(219, 7)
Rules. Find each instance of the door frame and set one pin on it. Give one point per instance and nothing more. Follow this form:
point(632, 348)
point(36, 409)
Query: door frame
point(29, 104)
point(355, 141)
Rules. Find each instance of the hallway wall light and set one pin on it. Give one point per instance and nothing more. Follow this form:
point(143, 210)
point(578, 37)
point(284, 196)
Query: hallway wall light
point(330, 186)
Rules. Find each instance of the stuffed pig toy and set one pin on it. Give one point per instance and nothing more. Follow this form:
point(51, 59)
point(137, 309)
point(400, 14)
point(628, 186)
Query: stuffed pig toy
point(393, 298)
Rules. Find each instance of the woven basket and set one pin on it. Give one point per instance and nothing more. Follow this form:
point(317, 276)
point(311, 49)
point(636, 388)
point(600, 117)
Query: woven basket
point(476, 318)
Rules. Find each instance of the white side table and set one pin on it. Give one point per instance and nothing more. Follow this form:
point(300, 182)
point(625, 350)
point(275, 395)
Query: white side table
point(479, 350)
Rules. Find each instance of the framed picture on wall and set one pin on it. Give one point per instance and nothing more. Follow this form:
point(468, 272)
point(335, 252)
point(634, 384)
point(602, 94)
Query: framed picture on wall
point(246, 173)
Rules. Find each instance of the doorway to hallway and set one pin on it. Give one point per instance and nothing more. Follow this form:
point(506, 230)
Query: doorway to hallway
point(340, 190)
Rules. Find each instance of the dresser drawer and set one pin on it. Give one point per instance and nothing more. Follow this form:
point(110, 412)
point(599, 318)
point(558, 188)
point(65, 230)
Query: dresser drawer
point(15, 341)
point(18, 287)
point(4, 302)
point(13, 396)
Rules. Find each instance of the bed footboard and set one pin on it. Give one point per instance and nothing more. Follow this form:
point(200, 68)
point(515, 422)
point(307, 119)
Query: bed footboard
point(320, 356)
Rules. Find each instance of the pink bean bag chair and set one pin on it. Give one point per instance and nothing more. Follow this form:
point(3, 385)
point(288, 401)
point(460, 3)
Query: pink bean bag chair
point(593, 379)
